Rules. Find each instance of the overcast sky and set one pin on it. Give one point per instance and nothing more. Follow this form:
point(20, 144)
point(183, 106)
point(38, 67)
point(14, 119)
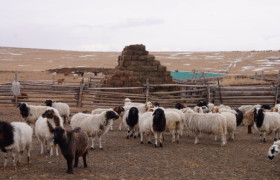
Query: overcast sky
point(161, 25)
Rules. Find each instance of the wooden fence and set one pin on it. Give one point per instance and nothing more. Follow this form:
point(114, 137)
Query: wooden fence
point(85, 96)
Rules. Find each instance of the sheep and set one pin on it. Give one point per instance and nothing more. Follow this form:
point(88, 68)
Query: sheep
point(15, 137)
point(130, 119)
point(63, 109)
point(246, 108)
point(273, 150)
point(198, 109)
point(266, 122)
point(174, 122)
point(75, 76)
point(117, 109)
point(73, 144)
point(30, 113)
point(60, 81)
point(94, 124)
point(205, 103)
point(206, 123)
point(140, 106)
point(44, 132)
point(153, 122)
point(179, 106)
point(146, 125)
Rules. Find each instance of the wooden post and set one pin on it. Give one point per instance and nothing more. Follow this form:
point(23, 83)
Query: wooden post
point(183, 94)
point(256, 74)
point(262, 76)
point(221, 100)
point(16, 80)
point(80, 95)
point(208, 93)
point(193, 72)
point(276, 94)
point(147, 89)
point(278, 77)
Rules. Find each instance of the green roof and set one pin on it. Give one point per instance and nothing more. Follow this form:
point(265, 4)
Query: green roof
point(181, 75)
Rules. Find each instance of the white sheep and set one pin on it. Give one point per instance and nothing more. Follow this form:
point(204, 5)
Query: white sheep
point(145, 126)
point(174, 122)
point(15, 137)
point(63, 109)
point(212, 123)
point(266, 122)
point(43, 130)
point(94, 124)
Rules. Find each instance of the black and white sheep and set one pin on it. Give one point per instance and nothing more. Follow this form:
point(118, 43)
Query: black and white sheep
point(30, 113)
point(44, 132)
point(15, 137)
point(205, 103)
point(73, 144)
point(94, 124)
point(153, 123)
point(274, 149)
point(63, 109)
point(130, 119)
point(117, 109)
point(267, 122)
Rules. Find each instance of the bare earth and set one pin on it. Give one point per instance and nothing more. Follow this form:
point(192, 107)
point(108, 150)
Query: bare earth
point(244, 158)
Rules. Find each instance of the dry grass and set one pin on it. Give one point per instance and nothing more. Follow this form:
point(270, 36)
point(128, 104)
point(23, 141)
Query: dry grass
point(233, 81)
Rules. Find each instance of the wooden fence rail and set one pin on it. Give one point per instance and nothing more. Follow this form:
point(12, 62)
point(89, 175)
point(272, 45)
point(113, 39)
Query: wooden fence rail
point(85, 96)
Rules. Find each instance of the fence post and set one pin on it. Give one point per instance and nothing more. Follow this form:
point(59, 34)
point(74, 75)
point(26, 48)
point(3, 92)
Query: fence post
point(183, 94)
point(276, 94)
point(262, 76)
point(256, 74)
point(80, 95)
point(221, 100)
point(147, 89)
point(208, 94)
point(16, 88)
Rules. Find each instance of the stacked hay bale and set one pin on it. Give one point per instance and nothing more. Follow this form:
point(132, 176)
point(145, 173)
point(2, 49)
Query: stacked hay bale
point(135, 66)
point(135, 58)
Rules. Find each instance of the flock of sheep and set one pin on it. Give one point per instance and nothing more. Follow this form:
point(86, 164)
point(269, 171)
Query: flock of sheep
point(141, 119)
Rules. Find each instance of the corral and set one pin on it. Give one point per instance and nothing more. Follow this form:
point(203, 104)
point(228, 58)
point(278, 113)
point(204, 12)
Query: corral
point(244, 158)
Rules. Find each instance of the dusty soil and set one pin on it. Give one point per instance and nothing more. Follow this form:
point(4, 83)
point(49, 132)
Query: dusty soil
point(244, 158)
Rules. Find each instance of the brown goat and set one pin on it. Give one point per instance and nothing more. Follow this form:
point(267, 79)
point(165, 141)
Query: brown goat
point(66, 74)
point(249, 120)
point(73, 144)
point(60, 81)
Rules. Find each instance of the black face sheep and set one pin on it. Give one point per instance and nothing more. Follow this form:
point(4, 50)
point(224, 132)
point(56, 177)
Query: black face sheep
point(63, 109)
point(73, 144)
point(179, 106)
point(131, 119)
point(30, 113)
point(15, 137)
point(159, 125)
point(267, 122)
point(274, 150)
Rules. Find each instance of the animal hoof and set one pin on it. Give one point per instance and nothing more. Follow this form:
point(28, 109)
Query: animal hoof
point(101, 148)
point(85, 166)
point(160, 145)
point(155, 145)
point(15, 168)
point(142, 142)
point(69, 172)
point(149, 142)
point(91, 148)
point(134, 137)
point(131, 135)
point(127, 137)
point(177, 142)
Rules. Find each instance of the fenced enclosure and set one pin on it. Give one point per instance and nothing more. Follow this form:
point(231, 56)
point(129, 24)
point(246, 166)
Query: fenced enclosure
point(85, 95)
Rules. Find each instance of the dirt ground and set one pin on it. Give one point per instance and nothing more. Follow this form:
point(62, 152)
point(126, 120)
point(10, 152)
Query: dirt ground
point(244, 158)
